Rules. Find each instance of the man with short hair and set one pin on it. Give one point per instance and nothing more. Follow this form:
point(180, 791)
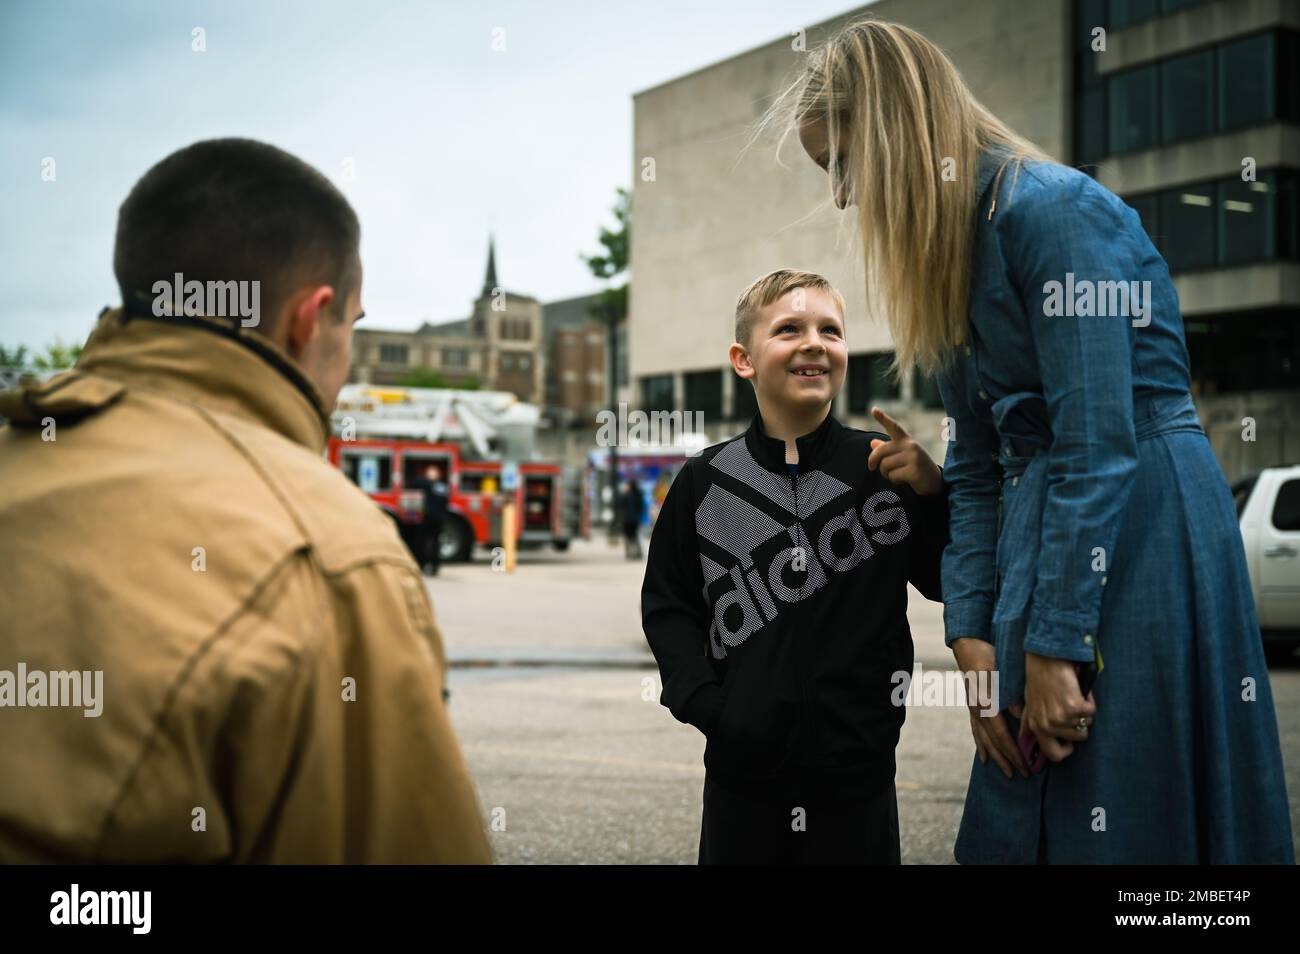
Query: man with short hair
point(272, 673)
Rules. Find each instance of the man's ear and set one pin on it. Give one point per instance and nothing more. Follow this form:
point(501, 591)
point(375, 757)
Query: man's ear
point(307, 310)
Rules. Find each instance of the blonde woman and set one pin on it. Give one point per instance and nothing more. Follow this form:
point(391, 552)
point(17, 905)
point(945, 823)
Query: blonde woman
point(1093, 532)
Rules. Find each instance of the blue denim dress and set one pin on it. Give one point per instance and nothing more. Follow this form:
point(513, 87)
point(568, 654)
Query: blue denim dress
point(1089, 514)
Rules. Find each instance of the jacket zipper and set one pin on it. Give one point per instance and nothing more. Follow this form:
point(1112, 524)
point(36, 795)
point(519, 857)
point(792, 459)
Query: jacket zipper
point(796, 648)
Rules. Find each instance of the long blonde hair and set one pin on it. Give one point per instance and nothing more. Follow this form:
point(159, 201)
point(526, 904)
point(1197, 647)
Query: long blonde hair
point(915, 228)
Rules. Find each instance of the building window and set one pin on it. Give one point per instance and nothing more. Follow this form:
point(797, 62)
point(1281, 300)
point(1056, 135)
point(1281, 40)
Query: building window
point(1247, 220)
point(1240, 83)
point(371, 470)
point(870, 381)
point(507, 361)
point(1132, 107)
point(1225, 222)
point(1286, 509)
point(1187, 97)
point(704, 393)
point(657, 393)
point(525, 362)
point(1148, 210)
point(394, 354)
point(1245, 81)
point(455, 357)
point(1125, 13)
point(1187, 223)
point(1244, 351)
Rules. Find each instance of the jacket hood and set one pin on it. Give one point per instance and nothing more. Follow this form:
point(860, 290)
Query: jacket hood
point(210, 362)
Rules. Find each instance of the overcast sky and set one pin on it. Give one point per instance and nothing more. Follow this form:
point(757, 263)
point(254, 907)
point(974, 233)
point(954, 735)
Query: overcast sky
point(447, 137)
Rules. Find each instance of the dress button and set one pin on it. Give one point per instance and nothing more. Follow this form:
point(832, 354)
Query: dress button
point(983, 395)
point(968, 351)
point(1087, 639)
point(1103, 580)
point(1015, 480)
point(1007, 449)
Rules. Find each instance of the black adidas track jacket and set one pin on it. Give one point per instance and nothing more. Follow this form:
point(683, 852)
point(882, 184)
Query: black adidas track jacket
point(775, 602)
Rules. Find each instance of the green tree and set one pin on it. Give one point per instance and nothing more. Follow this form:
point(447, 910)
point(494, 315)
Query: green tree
point(13, 357)
point(430, 378)
point(57, 356)
point(611, 307)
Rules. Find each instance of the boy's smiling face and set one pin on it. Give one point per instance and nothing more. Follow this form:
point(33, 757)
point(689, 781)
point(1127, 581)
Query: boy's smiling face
point(800, 332)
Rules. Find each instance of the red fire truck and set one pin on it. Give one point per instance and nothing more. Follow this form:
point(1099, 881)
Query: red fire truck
point(384, 438)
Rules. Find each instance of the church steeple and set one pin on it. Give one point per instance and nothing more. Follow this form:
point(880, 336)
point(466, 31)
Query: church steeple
point(490, 280)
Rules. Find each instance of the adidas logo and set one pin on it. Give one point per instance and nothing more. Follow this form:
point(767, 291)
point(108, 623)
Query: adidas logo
point(746, 597)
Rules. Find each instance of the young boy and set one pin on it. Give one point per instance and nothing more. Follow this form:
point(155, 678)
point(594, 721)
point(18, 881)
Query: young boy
point(775, 596)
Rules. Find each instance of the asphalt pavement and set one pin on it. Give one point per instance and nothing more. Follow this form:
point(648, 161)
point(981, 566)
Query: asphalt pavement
point(555, 701)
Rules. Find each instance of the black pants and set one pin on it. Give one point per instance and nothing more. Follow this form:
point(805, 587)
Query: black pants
point(432, 549)
point(740, 831)
point(632, 541)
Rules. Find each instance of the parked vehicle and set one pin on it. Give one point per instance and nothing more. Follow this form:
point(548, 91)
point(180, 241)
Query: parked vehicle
point(385, 438)
point(1268, 506)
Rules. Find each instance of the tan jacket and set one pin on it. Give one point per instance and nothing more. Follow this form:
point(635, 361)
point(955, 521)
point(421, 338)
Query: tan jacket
point(167, 519)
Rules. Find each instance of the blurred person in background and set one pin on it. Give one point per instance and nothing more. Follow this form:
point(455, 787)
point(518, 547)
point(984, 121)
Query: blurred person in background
point(633, 514)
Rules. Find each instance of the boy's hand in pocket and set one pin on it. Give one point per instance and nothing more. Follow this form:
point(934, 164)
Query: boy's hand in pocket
point(902, 460)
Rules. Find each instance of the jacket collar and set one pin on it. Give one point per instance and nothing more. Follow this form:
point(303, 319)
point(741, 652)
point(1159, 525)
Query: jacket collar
point(814, 447)
point(212, 363)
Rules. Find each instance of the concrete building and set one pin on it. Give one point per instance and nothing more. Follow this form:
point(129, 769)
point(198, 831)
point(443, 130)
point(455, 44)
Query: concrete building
point(1165, 115)
point(577, 348)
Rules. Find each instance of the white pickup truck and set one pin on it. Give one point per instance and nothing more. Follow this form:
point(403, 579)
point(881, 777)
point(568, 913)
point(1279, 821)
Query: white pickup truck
point(1268, 506)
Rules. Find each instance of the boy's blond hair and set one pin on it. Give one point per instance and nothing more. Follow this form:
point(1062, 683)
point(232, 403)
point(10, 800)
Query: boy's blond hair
point(763, 291)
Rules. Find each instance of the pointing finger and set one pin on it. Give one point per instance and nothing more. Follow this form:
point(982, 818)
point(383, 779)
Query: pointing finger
point(895, 430)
